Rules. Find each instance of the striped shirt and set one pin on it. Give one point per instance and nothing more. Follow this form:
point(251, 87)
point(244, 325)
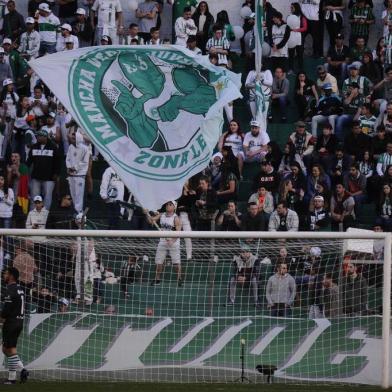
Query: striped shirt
point(388, 48)
point(48, 26)
point(358, 13)
point(385, 160)
point(221, 43)
point(367, 125)
point(363, 82)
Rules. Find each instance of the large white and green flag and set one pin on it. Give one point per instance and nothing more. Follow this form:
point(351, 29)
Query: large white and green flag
point(154, 113)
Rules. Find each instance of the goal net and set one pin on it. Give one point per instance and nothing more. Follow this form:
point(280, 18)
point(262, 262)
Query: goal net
point(117, 306)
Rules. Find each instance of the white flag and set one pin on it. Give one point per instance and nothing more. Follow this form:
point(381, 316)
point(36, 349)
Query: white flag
point(153, 112)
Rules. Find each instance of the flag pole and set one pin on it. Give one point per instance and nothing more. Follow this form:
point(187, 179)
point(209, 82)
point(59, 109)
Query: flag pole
point(259, 35)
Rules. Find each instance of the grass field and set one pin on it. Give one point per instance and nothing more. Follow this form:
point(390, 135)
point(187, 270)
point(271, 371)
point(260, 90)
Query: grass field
point(154, 387)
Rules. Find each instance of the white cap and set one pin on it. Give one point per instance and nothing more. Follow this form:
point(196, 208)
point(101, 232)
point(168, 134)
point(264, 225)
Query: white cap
point(2, 50)
point(80, 11)
point(7, 41)
point(254, 123)
point(66, 26)
point(30, 20)
point(173, 202)
point(315, 251)
point(64, 301)
point(318, 197)
point(217, 155)
point(37, 198)
point(6, 82)
point(44, 7)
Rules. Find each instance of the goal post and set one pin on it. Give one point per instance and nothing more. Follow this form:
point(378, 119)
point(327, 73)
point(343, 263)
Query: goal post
point(298, 306)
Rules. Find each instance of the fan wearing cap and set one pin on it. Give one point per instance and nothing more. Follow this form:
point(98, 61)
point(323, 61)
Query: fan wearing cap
point(13, 22)
point(18, 65)
point(255, 143)
point(352, 104)
point(5, 69)
point(338, 57)
point(29, 41)
point(37, 217)
point(45, 161)
point(63, 305)
point(48, 23)
point(325, 77)
point(168, 221)
point(303, 143)
point(9, 99)
point(318, 218)
point(328, 108)
point(52, 128)
point(82, 28)
point(66, 34)
point(365, 85)
point(110, 19)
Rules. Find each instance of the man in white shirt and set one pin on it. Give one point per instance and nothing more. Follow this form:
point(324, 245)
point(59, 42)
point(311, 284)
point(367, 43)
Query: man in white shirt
point(48, 24)
point(66, 31)
point(77, 161)
point(255, 143)
point(29, 41)
point(110, 19)
point(184, 27)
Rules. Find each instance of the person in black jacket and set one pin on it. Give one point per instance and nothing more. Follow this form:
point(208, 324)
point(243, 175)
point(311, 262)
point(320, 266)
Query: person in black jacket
point(204, 22)
point(205, 205)
point(62, 216)
point(325, 147)
point(81, 27)
point(13, 22)
point(45, 161)
point(356, 142)
point(253, 220)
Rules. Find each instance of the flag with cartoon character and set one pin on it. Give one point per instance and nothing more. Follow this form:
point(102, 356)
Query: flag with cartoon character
point(154, 113)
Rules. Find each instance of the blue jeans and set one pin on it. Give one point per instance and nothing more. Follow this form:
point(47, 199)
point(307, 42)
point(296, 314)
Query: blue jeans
point(47, 48)
point(341, 122)
point(283, 103)
point(5, 223)
point(42, 188)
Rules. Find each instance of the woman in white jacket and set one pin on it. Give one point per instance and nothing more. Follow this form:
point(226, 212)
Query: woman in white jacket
point(6, 203)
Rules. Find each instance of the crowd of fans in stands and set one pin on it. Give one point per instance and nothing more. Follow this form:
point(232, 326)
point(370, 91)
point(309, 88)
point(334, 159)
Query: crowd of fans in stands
point(338, 156)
